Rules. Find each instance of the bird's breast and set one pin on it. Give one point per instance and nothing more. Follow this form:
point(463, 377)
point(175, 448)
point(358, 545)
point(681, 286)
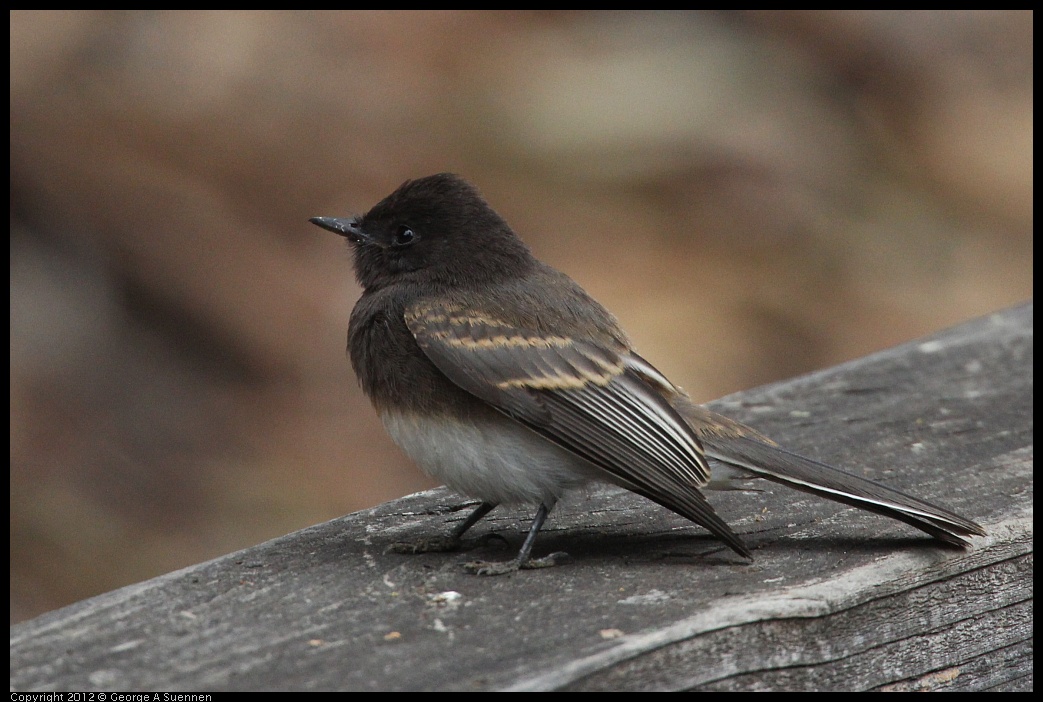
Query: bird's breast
point(392, 369)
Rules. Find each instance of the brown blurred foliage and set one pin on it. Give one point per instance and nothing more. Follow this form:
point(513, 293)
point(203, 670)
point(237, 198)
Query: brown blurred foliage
point(754, 194)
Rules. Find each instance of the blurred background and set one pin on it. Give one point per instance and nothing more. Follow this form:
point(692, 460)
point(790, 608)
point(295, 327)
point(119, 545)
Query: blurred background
point(755, 195)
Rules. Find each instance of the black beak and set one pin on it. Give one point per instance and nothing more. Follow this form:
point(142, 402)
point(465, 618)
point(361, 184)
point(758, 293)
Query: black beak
point(345, 227)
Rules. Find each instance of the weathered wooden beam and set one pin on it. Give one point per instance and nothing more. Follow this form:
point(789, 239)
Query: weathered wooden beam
point(837, 599)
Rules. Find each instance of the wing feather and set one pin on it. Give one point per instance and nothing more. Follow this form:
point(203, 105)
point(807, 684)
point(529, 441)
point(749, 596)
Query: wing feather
point(585, 397)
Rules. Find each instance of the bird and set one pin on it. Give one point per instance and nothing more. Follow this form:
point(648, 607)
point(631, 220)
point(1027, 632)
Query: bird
point(501, 377)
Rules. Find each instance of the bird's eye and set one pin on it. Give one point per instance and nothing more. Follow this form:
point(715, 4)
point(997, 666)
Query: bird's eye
point(405, 236)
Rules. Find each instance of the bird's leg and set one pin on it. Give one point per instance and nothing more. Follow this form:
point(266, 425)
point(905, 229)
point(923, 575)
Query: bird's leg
point(444, 543)
point(522, 560)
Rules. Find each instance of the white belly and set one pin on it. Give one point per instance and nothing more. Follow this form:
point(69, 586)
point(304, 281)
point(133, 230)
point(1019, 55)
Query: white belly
point(500, 461)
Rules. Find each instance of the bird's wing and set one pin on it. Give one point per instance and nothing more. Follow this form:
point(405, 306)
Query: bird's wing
point(585, 397)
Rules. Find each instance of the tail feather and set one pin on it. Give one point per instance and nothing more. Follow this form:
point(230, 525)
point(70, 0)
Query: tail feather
point(759, 456)
point(782, 466)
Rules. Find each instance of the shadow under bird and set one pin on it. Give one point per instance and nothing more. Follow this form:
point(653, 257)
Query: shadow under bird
point(501, 377)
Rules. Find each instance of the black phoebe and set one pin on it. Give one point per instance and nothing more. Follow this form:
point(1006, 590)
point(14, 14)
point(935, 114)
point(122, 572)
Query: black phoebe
point(501, 377)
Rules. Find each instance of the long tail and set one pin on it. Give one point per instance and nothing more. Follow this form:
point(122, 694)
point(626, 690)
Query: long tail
point(735, 444)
